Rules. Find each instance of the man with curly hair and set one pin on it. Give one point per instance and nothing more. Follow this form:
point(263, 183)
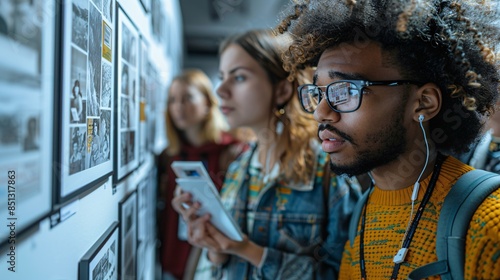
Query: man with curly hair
point(399, 86)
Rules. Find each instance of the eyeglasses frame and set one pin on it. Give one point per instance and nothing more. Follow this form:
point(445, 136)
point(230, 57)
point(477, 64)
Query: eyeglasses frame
point(361, 84)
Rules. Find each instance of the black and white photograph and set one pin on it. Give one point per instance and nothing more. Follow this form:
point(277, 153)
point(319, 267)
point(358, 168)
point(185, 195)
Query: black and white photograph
point(94, 64)
point(77, 156)
point(21, 42)
point(87, 97)
point(105, 136)
point(78, 96)
point(142, 210)
point(80, 23)
point(127, 114)
point(94, 141)
point(128, 236)
point(27, 41)
point(101, 261)
point(107, 85)
point(124, 116)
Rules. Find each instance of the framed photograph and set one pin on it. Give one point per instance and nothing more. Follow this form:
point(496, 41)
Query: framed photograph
point(144, 109)
point(87, 100)
point(101, 261)
point(127, 115)
point(27, 66)
point(153, 92)
point(128, 236)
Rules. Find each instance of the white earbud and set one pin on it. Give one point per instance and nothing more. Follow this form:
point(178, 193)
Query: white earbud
point(401, 255)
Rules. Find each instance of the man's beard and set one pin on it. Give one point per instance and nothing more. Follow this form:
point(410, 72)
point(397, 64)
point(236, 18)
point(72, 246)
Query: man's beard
point(379, 148)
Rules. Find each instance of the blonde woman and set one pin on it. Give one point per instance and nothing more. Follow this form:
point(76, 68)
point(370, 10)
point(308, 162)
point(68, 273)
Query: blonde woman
point(196, 131)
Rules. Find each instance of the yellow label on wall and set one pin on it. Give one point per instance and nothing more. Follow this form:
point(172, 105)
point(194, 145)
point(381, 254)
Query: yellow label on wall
point(107, 37)
point(90, 128)
point(142, 111)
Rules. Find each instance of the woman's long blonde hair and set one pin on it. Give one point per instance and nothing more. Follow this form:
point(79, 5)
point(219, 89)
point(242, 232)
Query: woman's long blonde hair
point(266, 47)
point(214, 123)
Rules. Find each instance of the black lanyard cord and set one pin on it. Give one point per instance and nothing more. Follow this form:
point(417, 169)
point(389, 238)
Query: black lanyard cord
point(411, 231)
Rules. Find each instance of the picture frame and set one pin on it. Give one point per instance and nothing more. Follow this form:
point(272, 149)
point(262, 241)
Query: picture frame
point(127, 82)
point(87, 101)
point(144, 106)
point(142, 209)
point(101, 260)
point(128, 236)
point(152, 99)
point(27, 84)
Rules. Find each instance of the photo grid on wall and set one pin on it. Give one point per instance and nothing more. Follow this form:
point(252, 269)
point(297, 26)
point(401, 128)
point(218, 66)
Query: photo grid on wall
point(127, 96)
point(27, 41)
point(87, 95)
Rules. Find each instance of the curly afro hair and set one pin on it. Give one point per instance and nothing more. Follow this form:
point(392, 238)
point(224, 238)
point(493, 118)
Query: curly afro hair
point(449, 43)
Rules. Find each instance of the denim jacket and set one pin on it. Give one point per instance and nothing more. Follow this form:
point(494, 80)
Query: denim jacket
point(302, 231)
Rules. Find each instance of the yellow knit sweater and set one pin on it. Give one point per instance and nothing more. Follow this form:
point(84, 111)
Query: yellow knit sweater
point(387, 216)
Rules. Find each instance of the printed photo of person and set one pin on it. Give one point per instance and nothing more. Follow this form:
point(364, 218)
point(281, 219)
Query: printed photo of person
point(126, 42)
point(124, 114)
point(133, 51)
point(124, 148)
point(124, 79)
point(77, 150)
point(78, 85)
point(95, 143)
point(131, 146)
point(31, 139)
point(10, 134)
point(133, 116)
point(105, 135)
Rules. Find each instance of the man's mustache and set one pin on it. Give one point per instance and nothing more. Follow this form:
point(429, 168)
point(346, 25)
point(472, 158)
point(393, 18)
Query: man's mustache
point(323, 126)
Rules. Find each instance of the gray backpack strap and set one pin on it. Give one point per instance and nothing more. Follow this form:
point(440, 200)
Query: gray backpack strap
point(356, 215)
point(458, 208)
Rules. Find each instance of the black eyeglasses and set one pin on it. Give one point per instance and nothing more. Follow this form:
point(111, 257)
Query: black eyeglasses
point(342, 96)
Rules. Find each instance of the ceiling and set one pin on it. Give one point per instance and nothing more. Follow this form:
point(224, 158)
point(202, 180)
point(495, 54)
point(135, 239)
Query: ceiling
point(207, 22)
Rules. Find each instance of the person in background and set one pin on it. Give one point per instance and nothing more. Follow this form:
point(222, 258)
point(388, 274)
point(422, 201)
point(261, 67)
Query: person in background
point(485, 152)
point(293, 212)
point(196, 131)
point(400, 85)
